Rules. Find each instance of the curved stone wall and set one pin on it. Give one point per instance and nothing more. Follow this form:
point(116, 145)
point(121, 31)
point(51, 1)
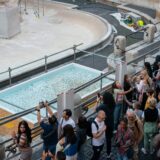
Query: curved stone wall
point(59, 28)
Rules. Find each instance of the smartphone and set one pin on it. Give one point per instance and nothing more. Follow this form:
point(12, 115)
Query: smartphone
point(41, 104)
point(98, 95)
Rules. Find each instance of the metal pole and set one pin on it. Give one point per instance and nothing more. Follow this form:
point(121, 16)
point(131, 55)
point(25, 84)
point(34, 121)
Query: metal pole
point(2, 150)
point(74, 50)
point(46, 113)
point(25, 9)
point(101, 82)
point(38, 8)
point(10, 76)
point(93, 59)
point(45, 58)
point(43, 7)
point(144, 59)
point(20, 7)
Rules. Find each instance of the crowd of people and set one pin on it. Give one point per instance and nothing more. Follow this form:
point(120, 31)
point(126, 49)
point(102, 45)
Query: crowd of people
point(128, 116)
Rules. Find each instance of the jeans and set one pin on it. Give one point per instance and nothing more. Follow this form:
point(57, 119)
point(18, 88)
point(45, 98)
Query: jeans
point(109, 134)
point(117, 114)
point(122, 157)
point(81, 153)
point(96, 152)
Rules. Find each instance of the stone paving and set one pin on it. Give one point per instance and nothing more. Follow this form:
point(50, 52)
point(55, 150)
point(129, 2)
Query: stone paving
point(87, 150)
point(148, 11)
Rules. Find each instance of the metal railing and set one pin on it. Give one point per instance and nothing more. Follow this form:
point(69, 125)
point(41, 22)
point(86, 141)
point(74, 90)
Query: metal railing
point(37, 130)
point(10, 118)
point(45, 63)
point(82, 105)
point(7, 119)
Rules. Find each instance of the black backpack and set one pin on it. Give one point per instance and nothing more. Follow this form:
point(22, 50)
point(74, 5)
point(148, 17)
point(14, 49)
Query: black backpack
point(89, 126)
point(47, 137)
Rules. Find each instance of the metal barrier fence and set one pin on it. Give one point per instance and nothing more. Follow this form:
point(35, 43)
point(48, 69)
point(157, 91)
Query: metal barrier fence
point(37, 130)
point(7, 119)
point(10, 118)
point(99, 78)
point(42, 62)
point(23, 113)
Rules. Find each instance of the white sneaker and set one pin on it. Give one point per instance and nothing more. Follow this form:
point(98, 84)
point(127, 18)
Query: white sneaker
point(144, 151)
point(115, 131)
point(152, 152)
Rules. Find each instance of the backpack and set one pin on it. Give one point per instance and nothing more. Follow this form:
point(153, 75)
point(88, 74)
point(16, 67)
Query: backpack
point(50, 135)
point(89, 126)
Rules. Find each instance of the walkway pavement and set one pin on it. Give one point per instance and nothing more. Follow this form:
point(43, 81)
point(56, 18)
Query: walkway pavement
point(149, 11)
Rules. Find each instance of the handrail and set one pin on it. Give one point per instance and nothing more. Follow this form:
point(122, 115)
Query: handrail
point(76, 107)
point(39, 143)
point(93, 81)
point(77, 45)
point(37, 132)
point(40, 59)
point(143, 56)
point(23, 113)
point(26, 64)
point(10, 104)
point(20, 114)
point(4, 72)
point(76, 89)
point(120, 58)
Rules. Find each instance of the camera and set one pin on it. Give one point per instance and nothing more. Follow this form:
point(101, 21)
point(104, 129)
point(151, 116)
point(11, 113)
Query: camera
point(41, 104)
point(98, 95)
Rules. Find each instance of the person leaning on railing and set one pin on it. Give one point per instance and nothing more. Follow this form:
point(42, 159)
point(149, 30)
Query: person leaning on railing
point(23, 140)
point(50, 132)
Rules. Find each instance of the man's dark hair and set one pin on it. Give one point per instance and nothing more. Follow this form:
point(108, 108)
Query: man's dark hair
point(52, 120)
point(68, 112)
point(61, 155)
point(82, 122)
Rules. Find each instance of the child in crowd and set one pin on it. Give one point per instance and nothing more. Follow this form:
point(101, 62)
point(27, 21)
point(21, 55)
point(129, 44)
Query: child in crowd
point(137, 111)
